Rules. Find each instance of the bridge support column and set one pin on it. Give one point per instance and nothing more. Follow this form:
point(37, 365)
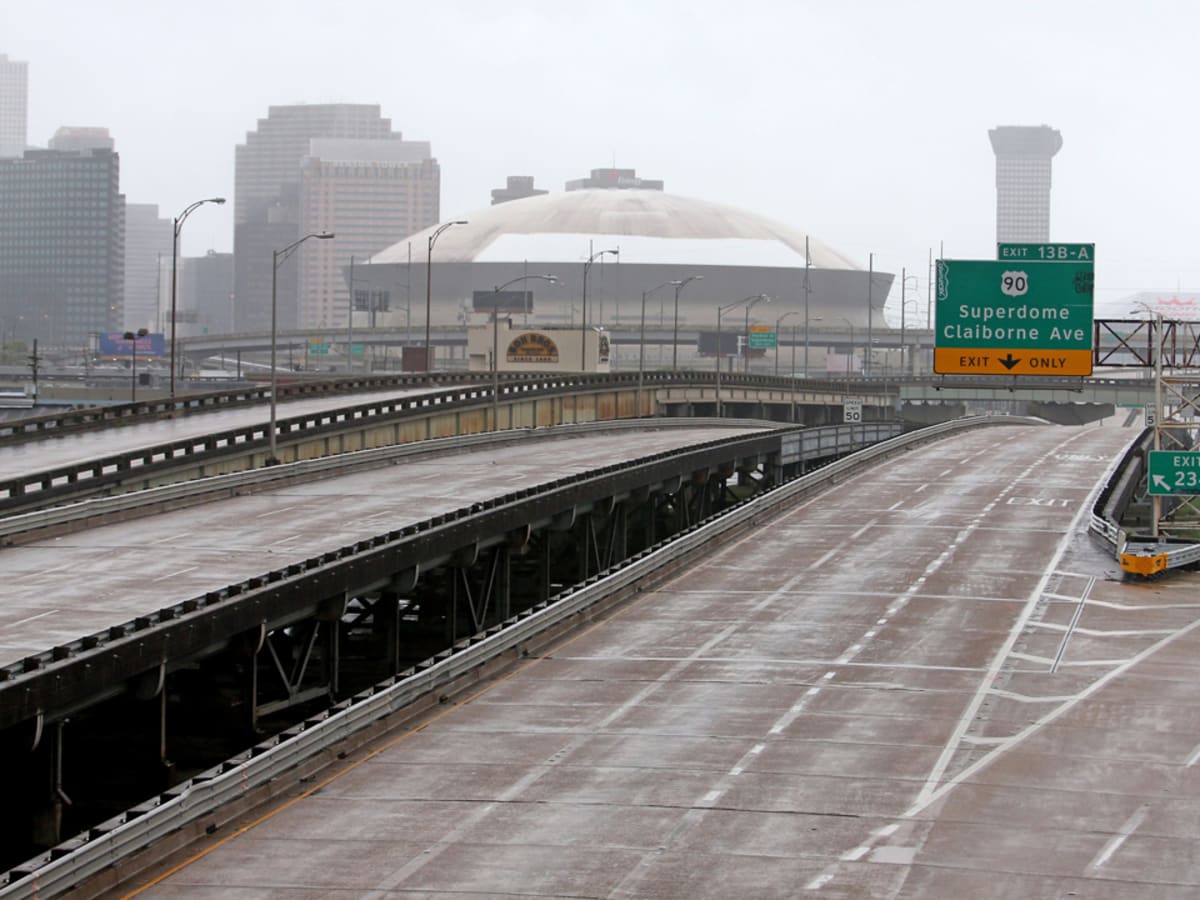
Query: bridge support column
point(48, 809)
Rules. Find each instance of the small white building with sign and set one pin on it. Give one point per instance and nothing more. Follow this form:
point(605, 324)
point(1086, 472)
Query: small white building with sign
point(537, 350)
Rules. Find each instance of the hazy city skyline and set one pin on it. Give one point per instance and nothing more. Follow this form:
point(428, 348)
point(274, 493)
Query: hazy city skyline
point(863, 124)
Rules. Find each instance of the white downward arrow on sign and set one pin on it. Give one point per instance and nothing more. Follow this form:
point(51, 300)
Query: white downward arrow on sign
point(1160, 482)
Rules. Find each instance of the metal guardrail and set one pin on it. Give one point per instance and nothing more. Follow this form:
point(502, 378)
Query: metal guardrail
point(90, 418)
point(100, 508)
point(1138, 554)
point(53, 485)
point(78, 859)
point(52, 663)
point(94, 417)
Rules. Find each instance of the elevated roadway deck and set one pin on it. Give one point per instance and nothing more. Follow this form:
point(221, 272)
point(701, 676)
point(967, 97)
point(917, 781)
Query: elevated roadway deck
point(56, 451)
point(924, 682)
point(61, 588)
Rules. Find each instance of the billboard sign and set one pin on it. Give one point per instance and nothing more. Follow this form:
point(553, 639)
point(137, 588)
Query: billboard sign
point(116, 344)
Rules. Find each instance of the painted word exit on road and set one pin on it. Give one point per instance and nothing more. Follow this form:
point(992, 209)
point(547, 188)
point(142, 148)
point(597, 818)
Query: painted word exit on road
point(997, 317)
point(762, 337)
point(1047, 252)
point(1173, 472)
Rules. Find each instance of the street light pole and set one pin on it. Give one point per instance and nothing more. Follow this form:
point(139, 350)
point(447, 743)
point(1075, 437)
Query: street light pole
point(428, 282)
point(350, 322)
point(277, 259)
point(850, 355)
point(496, 341)
point(178, 227)
point(132, 337)
point(642, 342)
point(752, 299)
point(778, 322)
point(679, 286)
point(583, 312)
point(808, 291)
point(904, 279)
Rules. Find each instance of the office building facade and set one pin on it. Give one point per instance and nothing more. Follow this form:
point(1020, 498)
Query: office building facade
point(147, 246)
point(62, 246)
point(14, 106)
point(371, 194)
point(267, 216)
point(1023, 160)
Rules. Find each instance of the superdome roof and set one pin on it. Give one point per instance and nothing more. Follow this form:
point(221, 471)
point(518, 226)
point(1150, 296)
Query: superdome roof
point(648, 227)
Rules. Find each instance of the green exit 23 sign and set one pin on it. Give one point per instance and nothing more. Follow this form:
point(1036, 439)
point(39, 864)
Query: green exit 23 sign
point(1174, 472)
point(1047, 252)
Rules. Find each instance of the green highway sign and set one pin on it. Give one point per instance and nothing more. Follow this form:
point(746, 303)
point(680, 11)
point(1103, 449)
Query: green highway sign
point(762, 337)
point(1173, 472)
point(1002, 317)
point(357, 349)
point(318, 348)
point(1047, 252)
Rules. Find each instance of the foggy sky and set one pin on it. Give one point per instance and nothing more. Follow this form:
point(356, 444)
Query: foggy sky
point(862, 122)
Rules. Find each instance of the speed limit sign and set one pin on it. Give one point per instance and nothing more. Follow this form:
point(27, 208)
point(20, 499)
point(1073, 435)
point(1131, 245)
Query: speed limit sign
point(852, 410)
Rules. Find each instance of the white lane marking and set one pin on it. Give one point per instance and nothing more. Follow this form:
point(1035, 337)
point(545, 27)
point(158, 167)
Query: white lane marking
point(990, 741)
point(1109, 604)
point(710, 798)
point(824, 559)
point(1075, 617)
point(32, 618)
point(757, 748)
point(1144, 632)
point(865, 529)
point(857, 853)
point(819, 882)
point(934, 780)
point(811, 691)
point(1022, 698)
point(888, 830)
point(1194, 758)
point(1029, 657)
point(276, 512)
point(895, 505)
point(171, 537)
point(921, 488)
point(1121, 836)
point(175, 574)
point(1093, 688)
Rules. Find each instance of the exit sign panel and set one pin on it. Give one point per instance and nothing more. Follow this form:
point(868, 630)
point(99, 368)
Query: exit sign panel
point(1046, 252)
point(999, 317)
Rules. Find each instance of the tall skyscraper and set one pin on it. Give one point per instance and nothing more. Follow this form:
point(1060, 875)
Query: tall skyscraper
point(205, 294)
point(62, 245)
point(147, 243)
point(371, 194)
point(14, 106)
point(266, 211)
point(1023, 155)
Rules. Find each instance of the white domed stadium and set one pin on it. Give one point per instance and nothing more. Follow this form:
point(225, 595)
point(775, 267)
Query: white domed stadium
point(659, 237)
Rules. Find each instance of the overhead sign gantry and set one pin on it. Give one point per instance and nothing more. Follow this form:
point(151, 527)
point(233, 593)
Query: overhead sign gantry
point(1027, 313)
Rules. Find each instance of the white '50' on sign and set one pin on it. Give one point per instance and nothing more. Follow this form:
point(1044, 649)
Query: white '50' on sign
point(1014, 284)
